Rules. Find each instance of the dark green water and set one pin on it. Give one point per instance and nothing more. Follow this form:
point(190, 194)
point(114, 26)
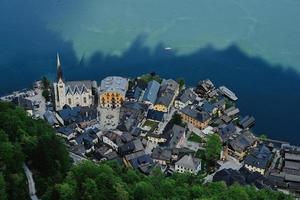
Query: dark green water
point(253, 47)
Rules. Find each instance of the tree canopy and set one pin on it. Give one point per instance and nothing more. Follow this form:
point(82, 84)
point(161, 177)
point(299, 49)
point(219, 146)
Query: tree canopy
point(23, 139)
point(88, 180)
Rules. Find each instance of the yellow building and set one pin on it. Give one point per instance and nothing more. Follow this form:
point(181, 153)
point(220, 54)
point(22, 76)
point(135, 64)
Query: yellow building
point(112, 91)
point(197, 119)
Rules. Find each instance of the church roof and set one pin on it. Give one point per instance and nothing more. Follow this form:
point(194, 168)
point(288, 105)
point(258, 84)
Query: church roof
point(80, 87)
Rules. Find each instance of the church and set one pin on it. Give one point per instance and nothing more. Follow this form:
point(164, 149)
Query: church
point(72, 93)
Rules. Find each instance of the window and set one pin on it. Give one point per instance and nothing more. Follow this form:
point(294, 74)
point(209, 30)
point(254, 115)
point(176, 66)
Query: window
point(84, 99)
point(70, 101)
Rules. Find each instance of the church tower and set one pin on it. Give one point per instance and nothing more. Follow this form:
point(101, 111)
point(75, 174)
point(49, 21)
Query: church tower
point(60, 99)
point(59, 70)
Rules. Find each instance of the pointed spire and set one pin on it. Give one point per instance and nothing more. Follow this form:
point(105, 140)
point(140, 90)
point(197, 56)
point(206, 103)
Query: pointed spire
point(59, 71)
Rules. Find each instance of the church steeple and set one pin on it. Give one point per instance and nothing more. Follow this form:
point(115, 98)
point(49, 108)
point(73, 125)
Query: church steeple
point(59, 71)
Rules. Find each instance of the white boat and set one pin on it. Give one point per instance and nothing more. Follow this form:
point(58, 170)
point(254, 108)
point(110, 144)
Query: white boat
point(168, 48)
point(228, 93)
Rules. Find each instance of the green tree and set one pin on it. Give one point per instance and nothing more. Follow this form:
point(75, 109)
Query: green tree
point(143, 190)
point(181, 83)
point(3, 194)
point(45, 83)
point(176, 119)
point(90, 190)
point(263, 137)
point(66, 191)
point(213, 148)
point(46, 94)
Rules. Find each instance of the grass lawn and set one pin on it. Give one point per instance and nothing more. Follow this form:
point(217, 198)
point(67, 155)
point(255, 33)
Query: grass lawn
point(195, 138)
point(151, 124)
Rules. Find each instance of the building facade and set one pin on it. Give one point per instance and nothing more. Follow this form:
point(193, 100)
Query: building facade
point(112, 91)
point(197, 119)
point(188, 164)
point(72, 93)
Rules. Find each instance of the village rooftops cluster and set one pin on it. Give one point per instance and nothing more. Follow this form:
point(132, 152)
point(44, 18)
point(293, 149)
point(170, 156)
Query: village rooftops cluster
point(135, 122)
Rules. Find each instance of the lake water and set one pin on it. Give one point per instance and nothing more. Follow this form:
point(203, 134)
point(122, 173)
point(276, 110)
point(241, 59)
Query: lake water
point(253, 47)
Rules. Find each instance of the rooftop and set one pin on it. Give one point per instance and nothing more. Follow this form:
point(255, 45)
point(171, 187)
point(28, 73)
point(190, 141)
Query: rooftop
point(114, 84)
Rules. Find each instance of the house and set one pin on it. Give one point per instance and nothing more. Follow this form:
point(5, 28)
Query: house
point(88, 139)
point(209, 108)
point(258, 159)
point(140, 161)
point(204, 87)
point(241, 176)
point(167, 93)
point(286, 175)
point(151, 92)
point(229, 176)
point(164, 101)
point(112, 91)
point(188, 164)
point(241, 144)
point(131, 147)
point(175, 136)
point(232, 111)
point(157, 138)
point(228, 132)
point(51, 118)
point(247, 122)
point(155, 115)
point(161, 156)
point(138, 94)
point(78, 115)
point(187, 97)
point(67, 132)
point(27, 104)
point(131, 114)
point(144, 163)
point(72, 93)
point(220, 104)
point(198, 119)
point(112, 139)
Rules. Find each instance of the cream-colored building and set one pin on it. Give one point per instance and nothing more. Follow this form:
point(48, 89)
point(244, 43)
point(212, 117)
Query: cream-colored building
point(72, 93)
point(112, 91)
point(188, 164)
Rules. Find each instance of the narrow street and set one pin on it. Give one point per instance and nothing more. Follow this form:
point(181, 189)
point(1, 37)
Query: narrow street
point(31, 184)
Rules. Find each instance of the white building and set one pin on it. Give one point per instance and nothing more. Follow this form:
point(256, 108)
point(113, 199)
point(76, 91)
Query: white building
point(188, 164)
point(72, 93)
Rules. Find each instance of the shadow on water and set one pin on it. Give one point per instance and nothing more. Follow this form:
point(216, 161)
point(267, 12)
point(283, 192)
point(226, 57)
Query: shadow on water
point(270, 93)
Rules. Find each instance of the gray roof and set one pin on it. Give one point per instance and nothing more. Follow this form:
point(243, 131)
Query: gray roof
point(292, 156)
point(292, 178)
point(167, 92)
point(174, 135)
point(114, 84)
point(200, 116)
point(169, 84)
point(79, 87)
point(292, 165)
point(189, 162)
point(243, 141)
point(151, 91)
point(161, 154)
point(50, 117)
point(231, 111)
point(259, 157)
point(165, 98)
point(247, 121)
point(188, 95)
point(227, 131)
